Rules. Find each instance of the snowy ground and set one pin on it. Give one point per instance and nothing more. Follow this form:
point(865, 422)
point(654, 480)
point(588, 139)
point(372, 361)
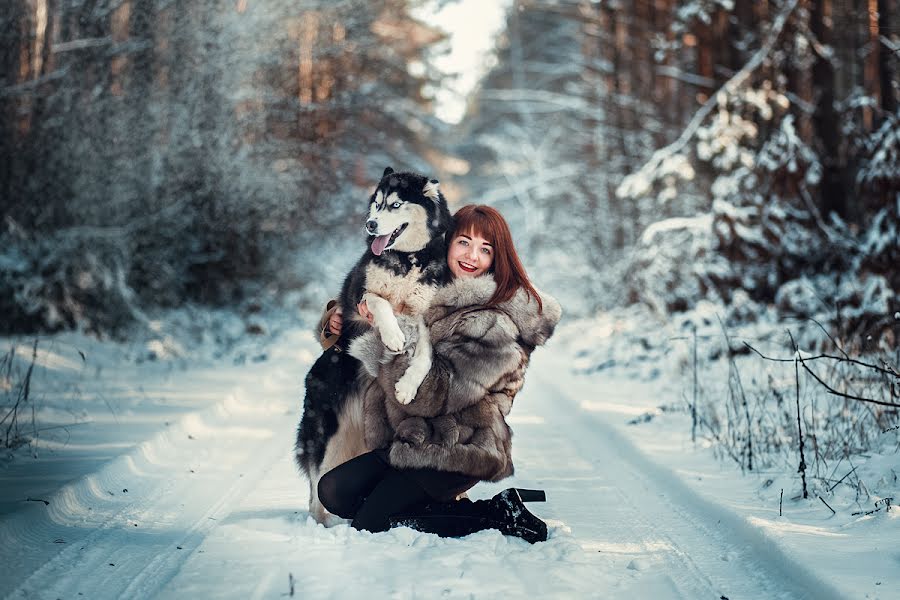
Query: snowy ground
point(175, 480)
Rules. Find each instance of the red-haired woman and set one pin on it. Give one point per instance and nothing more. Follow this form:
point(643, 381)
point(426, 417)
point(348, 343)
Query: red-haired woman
point(484, 325)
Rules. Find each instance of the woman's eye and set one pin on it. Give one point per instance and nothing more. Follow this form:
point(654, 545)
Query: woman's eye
point(464, 242)
point(486, 250)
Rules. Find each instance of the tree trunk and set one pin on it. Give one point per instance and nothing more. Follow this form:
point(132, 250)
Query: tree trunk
point(887, 58)
point(13, 40)
point(825, 123)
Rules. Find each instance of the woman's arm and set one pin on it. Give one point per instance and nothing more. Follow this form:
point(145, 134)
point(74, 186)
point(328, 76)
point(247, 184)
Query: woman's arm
point(329, 328)
point(478, 447)
point(470, 357)
point(473, 356)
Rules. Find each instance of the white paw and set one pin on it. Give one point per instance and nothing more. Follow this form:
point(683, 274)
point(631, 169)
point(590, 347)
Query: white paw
point(392, 337)
point(405, 390)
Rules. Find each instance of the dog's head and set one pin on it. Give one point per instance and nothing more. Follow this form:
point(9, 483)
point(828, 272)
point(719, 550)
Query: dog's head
point(406, 212)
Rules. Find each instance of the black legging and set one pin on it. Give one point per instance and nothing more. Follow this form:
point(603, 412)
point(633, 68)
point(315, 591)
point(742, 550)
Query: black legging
point(368, 490)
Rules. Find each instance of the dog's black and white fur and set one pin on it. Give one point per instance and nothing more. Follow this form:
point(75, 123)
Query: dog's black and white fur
point(407, 224)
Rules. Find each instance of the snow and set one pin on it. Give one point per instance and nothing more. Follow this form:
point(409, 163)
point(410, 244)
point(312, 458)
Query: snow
point(174, 479)
point(703, 223)
point(884, 147)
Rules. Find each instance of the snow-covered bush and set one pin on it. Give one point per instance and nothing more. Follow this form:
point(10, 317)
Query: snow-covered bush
point(879, 181)
point(882, 165)
point(757, 234)
point(675, 265)
point(198, 165)
point(759, 220)
point(806, 296)
point(61, 282)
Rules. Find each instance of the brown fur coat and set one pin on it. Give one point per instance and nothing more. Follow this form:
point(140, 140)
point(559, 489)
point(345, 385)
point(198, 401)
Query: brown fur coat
point(457, 421)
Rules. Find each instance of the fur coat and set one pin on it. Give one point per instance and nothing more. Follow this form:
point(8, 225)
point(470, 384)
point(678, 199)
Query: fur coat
point(457, 421)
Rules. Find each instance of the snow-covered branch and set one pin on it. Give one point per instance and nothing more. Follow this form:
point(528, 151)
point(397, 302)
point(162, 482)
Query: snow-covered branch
point(637, 183)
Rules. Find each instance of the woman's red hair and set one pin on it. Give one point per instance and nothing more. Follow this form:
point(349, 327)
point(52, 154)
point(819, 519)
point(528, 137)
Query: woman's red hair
point(508, 271)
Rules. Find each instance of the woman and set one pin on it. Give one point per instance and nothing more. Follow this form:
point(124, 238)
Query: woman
point(484, 326)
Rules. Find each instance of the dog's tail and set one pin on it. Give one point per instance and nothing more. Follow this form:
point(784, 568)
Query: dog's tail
point(301, 452)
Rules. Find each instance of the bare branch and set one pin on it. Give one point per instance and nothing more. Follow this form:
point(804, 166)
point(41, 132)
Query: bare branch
point(80, 44)
point(886, 371)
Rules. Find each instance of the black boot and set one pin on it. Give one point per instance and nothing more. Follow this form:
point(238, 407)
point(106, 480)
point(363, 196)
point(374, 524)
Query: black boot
point(508, 507)
point(527, 495)
point(505, 512)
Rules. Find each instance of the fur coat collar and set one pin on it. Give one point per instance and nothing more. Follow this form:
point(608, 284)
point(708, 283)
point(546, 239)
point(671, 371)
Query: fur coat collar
point(534, 327)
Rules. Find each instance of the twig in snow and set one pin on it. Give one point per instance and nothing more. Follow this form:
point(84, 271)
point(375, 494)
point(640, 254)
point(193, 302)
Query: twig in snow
point(826, 504)
point(694, 403)
point(780, 502)
point(737, 376)
point(885, 502)
point(22, 398)
point(841, 479)
point(802, 467)
point(830, 337)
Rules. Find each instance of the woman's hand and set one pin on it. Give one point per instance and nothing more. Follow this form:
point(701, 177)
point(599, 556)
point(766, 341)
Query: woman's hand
point(363, 309)
point(336, 321)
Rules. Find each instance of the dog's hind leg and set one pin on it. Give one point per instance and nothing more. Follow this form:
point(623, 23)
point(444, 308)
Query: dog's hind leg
point(347, 443)
point(418, 368)
point(316, 510)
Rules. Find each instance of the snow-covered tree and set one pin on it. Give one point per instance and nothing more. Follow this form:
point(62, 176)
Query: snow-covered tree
point(154, 151)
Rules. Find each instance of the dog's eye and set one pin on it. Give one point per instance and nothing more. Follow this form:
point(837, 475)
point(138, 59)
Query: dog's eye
point(396, 205)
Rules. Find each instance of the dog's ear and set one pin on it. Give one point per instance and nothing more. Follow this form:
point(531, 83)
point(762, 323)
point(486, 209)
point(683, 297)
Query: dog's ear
point(387, 171)
point(432, 189)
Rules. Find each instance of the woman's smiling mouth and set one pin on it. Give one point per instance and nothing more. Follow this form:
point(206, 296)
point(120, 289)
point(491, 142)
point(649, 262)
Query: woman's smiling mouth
point(466, 267)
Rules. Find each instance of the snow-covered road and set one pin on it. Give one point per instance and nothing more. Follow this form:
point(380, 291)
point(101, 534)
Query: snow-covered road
point(212, 507)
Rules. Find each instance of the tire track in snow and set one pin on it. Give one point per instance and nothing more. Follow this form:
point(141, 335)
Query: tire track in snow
point(181, 482)
point(710, 551)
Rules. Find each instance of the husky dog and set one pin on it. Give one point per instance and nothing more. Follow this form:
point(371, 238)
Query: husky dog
point(406, 262)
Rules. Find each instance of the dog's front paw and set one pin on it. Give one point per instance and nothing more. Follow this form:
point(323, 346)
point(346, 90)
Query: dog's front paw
point(405, 390)
point(392, 337)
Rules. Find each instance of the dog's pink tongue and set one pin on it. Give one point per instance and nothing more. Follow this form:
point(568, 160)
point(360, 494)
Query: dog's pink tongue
point(379, 243)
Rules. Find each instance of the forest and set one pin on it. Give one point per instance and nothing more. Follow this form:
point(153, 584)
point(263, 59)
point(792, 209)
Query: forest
point(156, 153)
point(710, 188)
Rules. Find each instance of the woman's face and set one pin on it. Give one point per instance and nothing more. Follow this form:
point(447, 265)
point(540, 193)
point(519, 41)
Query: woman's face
point(470, 255)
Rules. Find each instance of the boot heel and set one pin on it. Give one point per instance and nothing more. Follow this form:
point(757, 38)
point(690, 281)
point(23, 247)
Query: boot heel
point(531, 495)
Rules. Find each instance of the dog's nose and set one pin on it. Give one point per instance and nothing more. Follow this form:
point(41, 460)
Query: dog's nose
point(371, 225)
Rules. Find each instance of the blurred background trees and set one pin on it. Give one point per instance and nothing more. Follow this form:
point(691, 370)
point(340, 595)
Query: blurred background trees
point(721, 150)
point(655, 151)
point(155, 152)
